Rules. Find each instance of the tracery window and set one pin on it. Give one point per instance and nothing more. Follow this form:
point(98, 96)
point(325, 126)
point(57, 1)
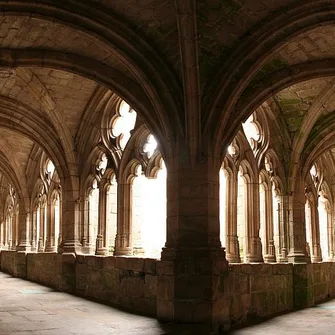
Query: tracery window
point(123, 123)
point(252, 132)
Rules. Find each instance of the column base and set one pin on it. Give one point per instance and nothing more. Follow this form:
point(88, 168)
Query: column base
point(101, 252)
point(23, 247)
point(123, 251)
point(316, 259)
point(298, 257)
point(269, 259)
point(69, 247)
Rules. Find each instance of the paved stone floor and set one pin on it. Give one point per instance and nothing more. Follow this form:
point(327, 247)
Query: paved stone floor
point(29, 308)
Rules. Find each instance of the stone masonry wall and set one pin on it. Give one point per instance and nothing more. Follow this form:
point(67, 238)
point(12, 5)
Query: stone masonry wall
point(246, 291)
point(313, 283)
point(14, 263)
point(126, 282)
point(256, 290)
point(45, 268)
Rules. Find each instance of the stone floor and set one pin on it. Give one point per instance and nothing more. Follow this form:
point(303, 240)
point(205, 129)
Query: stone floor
point(29, 308)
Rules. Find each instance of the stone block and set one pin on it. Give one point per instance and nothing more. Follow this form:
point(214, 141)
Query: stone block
point(111, 280)
point(186, 311)
point(242, 283)
point(261, 283)
point(165, 268)
point(165, 310)
point(81, 259)
point(247, 268)
point(189, 289)
point(150, 265)
point(150, 286)
point(165, 287)
point(132, 287)
point(95, 261)
point(109, 262)
point(278, 269)
point(262, 269)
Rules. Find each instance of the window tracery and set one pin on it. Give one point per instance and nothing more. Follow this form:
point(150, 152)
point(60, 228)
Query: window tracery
point(123, 123)
point(150, 146)
point(252, 131)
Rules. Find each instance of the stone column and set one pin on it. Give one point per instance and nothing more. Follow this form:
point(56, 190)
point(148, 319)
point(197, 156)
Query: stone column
point(232, 249)
point(70, 219)
point(192, 259)
point(85, 224)
point(50, 238)
point(10, 229)
point(123, 240)
point(33, 229)
point(270, 255)
point(316, 254)
point(101, 244)
point(253, 241)
point(5, 234)
point(25, 223)
point(41, 228)
point(330, 230)
point(282, 213)
point(297, 224)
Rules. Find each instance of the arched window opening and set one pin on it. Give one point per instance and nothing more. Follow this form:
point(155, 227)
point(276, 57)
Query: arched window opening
point(252, 132)
point(93, 215)
point(150, 146)
point(149, 213)
point(111, 213)
point(241, 213)
point(308, 219)
point(123, 124)
point(49, 171)
point(325, 226)
point(223, 206)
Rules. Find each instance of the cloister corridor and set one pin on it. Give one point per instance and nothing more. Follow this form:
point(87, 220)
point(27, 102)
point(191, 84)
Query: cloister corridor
point(28, 308)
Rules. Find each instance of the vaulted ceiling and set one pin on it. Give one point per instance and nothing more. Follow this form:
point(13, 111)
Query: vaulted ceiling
point(174, 61)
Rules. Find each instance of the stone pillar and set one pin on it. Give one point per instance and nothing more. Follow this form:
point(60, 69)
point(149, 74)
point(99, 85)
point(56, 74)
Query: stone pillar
point(192, 259)
point(123, 240)
point(316, 254)
point(297, 225)
point(70, 219)
point(253, 241)
point(24, 228)
point(85, 224)
point(270, 255)
point(101, 244)
point(42, 227)
point(33, 229)
point(232, 249)
point(282, 213)
point(50, 238)
point(330, 230)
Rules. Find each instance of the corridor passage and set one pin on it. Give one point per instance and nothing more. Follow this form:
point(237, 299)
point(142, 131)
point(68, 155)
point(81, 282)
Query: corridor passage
point(29, 308)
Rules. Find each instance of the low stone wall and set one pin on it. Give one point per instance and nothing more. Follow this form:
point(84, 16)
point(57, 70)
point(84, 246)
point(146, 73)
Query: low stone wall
point(14, 263)
point(45, 268)
point(129, 283)
point(245, 292)
point(313, 283)
point(126, 282)
point(256, 290)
